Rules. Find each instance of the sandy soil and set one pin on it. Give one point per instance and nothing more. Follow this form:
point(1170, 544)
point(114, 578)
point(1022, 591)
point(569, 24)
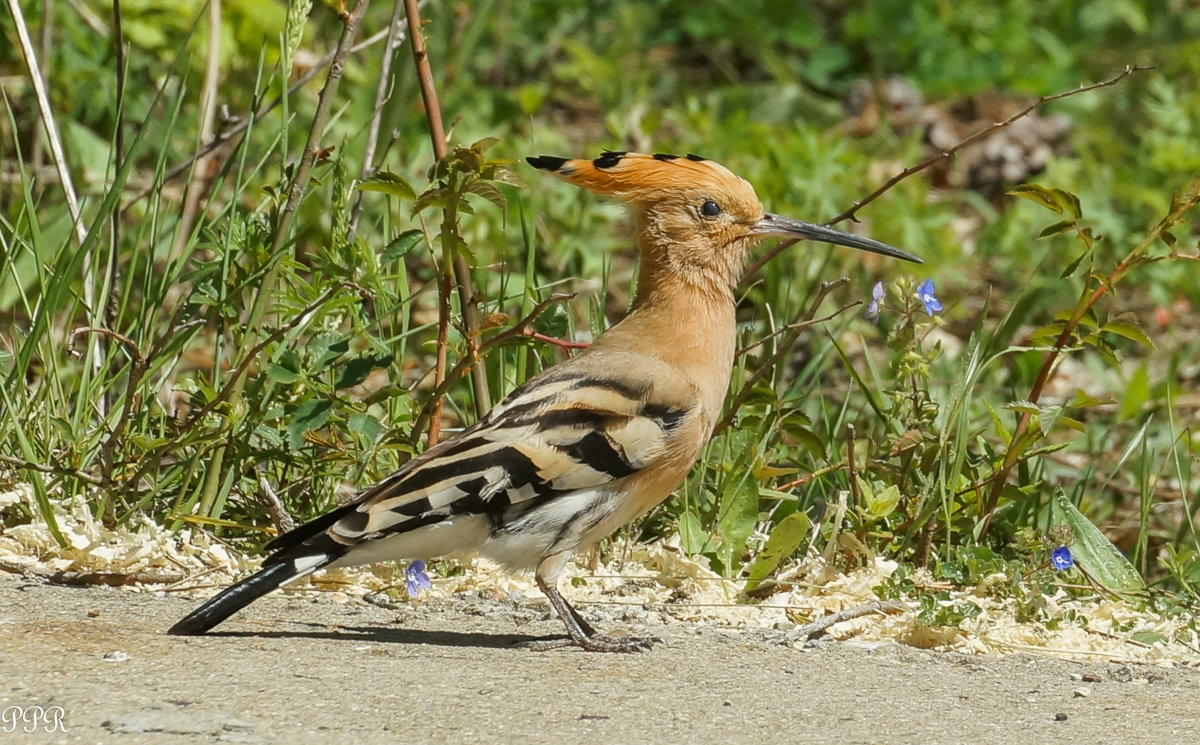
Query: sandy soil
point(301, 670)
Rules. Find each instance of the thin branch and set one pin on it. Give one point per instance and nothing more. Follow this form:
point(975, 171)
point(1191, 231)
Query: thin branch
point(64, 176)
point(396, 35)
point(257, 349)
point(47, 115)
point(202, 176)
point(810, 631)
point(851, 212)
point(458, 264)
point(52, 469)
point(1180, 205)
point(769, 364)
point(520, 328)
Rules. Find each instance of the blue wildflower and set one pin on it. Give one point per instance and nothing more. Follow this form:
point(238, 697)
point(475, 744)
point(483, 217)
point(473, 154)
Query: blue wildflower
point(925, 293)
point(876, 298)
point(1061, 559)
point(415, 578)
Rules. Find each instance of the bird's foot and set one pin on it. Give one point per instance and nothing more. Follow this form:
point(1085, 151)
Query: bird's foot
point(595, 643)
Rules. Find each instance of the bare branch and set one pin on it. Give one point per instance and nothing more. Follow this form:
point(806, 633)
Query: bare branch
point(852, 211)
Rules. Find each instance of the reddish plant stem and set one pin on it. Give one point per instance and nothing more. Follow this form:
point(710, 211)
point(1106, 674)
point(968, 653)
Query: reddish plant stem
point(456, 271)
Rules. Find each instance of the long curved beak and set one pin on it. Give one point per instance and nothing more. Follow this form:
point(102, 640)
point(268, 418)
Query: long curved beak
point(788, 228)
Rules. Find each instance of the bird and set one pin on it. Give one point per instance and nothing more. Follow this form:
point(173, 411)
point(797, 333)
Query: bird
point(589, 444)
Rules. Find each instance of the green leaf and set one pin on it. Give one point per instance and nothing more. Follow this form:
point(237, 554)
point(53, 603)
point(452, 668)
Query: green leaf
point(1095, 553)
point(386, 182)
point(785, 538)
point(1074, 265)
point(692, 535)
point(1148, 637)
point(1061, 226)
point(432, 197)
point(1127, 325)
point(365, 425)
point(402, 244)
point(333, 349)
point(281, 374)
point(308, 416)
point(356, 371)
point(1038, 194)
point(739, 513)
point(489, 192)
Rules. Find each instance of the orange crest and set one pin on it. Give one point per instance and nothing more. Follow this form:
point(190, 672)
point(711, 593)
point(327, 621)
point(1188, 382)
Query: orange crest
point(638, 177)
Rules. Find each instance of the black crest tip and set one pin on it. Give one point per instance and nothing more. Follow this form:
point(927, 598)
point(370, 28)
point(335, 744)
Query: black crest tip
point(665, 156)
point(609, 158)
point(697, 158)
point(546, 162)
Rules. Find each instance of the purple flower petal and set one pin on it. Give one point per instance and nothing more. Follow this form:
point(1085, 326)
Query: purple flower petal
point(1061, 559)
point(876, 298)
point(415, 578)
point(926, 294)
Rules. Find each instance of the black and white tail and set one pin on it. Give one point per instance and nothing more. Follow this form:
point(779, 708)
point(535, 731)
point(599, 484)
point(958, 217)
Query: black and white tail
point(234, 598)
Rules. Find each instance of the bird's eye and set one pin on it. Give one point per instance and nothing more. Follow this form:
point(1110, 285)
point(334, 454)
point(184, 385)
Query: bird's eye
point(710, 209)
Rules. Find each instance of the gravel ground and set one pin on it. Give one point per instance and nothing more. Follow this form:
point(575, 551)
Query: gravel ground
point(299, 670)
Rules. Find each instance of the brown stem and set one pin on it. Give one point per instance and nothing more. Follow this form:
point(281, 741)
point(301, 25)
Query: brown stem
point(278, 334)
point(520, 328)
point(382, 94)
point(784, 348)
point(457, 271)
point(851, 212)
point(1088, 299)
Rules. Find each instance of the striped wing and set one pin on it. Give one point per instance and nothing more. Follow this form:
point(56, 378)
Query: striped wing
point(559, 433)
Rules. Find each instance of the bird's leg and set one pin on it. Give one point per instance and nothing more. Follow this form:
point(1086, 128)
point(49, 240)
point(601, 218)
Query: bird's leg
point(580, 633)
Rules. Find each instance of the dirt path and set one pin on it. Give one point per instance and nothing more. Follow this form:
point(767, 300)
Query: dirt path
point(289, 670)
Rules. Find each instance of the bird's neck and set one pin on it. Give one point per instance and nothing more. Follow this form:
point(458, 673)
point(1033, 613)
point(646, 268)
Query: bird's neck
point(686, 324)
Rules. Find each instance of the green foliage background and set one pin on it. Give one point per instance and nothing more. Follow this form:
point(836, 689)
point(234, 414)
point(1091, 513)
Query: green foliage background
point(336, 327)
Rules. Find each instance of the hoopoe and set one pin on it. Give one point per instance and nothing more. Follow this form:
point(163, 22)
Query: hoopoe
point(589, 444)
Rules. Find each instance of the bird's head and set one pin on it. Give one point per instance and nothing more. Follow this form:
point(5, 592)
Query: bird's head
point(696, 219)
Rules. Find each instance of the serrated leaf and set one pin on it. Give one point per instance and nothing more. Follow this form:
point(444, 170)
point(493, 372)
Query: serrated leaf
point(432, 197)
point(1023, 407)
point(402, 244)
point(386, 182)
point(1103, 561)
point(489, 192)
point(1127, 325)
point(308, 416)
point(787, 536)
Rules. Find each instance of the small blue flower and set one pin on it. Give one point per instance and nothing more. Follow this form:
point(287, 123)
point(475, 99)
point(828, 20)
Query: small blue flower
point(925, 293)
point(415, 578)
point(876, 298)
point(1061, 559)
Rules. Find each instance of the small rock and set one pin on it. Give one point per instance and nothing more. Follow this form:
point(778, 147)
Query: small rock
point(116, 656)
point(1060, 717)
point(93, 614)
point(1077, 677)
point(1091, 678)
point(1082, 692)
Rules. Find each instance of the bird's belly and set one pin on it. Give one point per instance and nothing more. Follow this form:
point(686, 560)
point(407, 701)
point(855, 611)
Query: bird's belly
point(462, 534)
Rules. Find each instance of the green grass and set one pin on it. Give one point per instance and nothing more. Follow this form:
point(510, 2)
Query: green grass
point(913, 424)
